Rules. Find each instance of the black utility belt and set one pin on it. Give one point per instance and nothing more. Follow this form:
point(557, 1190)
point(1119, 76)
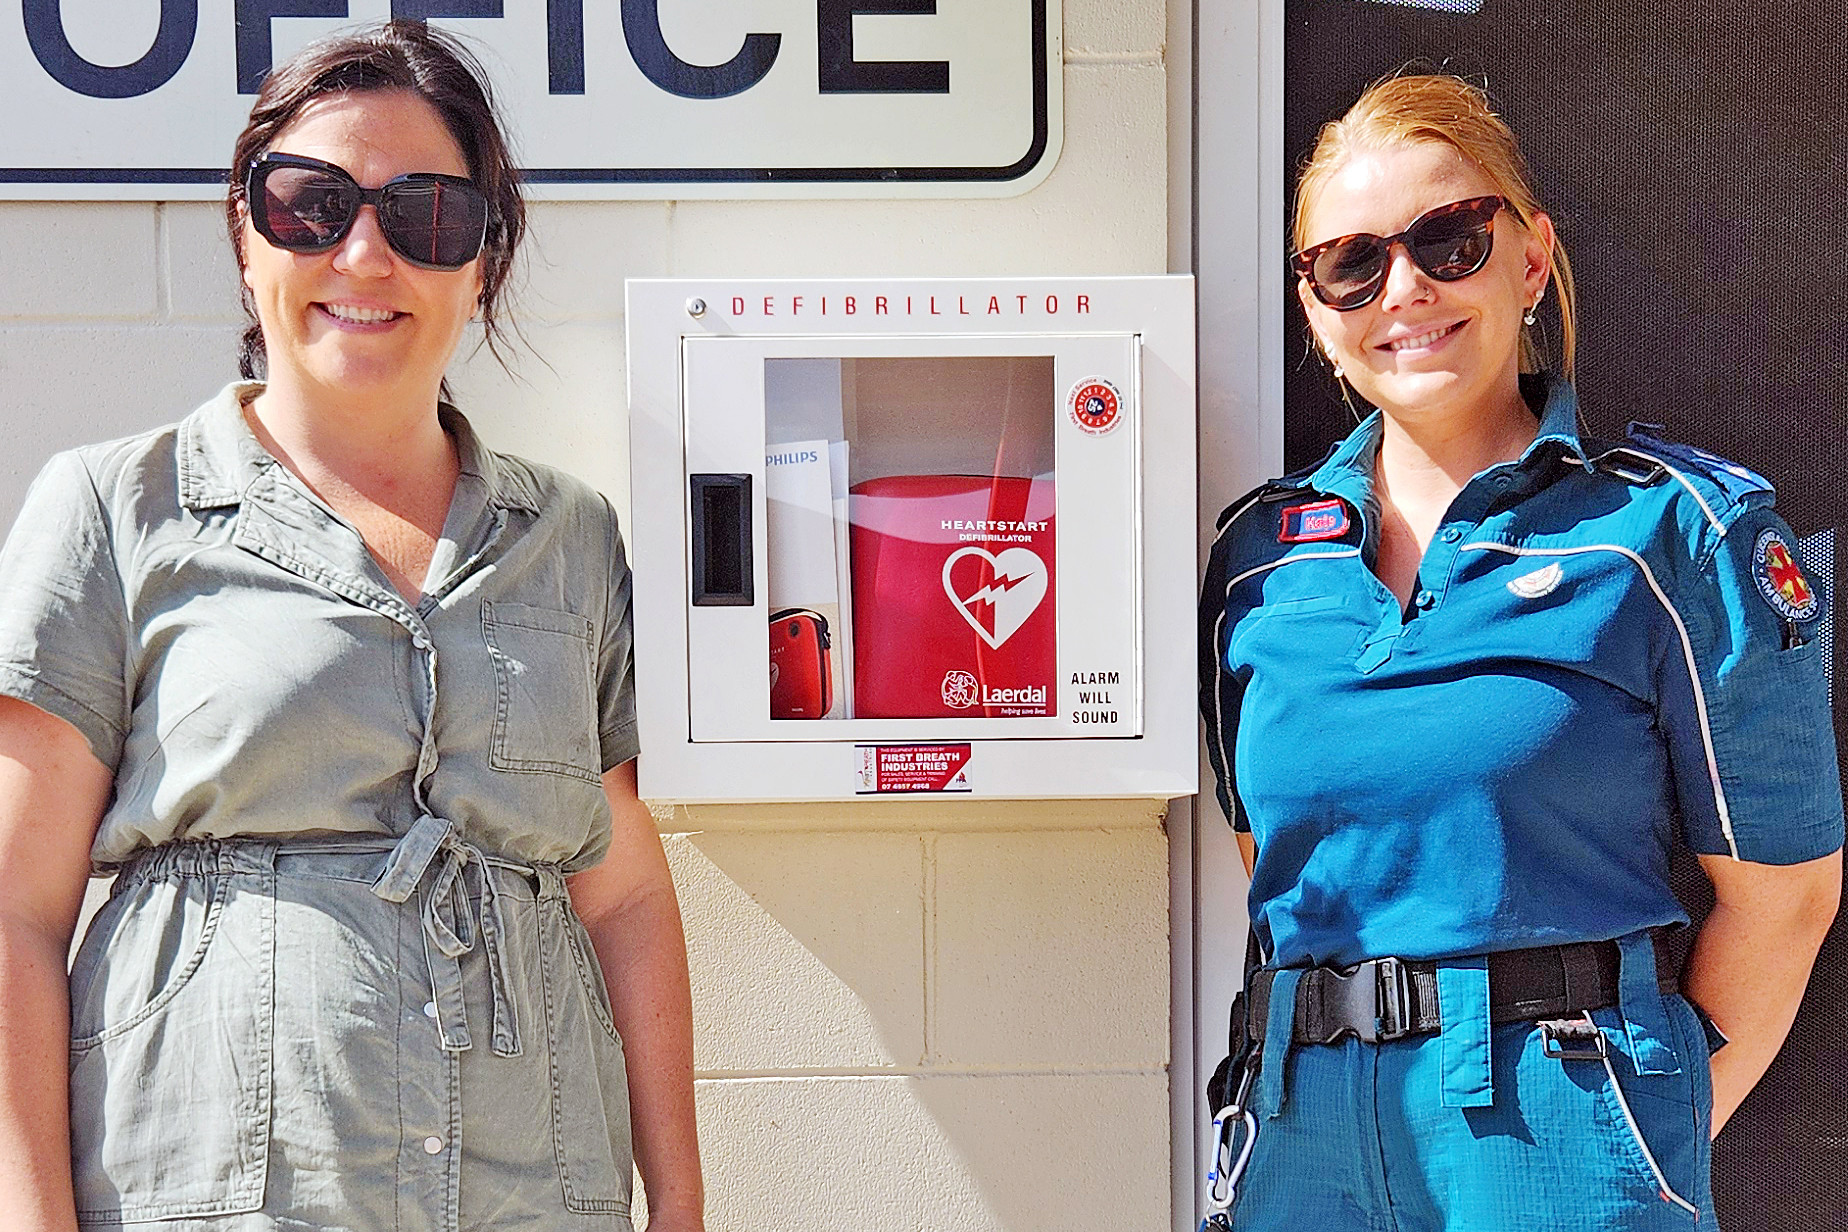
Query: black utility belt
point(1385, 999)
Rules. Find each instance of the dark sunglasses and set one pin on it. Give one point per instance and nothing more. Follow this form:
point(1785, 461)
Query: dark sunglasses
point(306, 205)
point(1450, 242)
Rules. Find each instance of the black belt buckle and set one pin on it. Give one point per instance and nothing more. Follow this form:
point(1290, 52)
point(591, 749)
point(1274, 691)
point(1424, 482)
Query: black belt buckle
point(1395, 1000)
point(1372, 1002)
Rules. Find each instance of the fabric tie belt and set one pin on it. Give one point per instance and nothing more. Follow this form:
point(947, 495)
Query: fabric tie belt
point(449, 925)
point(1385, 999)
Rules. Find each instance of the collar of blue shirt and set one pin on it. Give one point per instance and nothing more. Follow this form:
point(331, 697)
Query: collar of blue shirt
point(1347, 472)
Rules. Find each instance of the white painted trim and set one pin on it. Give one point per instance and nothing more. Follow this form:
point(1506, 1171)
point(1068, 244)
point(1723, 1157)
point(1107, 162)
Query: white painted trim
point(1183, 815)
point(1183, 1071)
point(1687, 651)
point(1238, 259)
point(1180, 62)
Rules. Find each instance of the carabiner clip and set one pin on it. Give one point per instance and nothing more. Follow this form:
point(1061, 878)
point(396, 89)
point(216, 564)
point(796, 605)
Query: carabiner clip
point(1228, 1164)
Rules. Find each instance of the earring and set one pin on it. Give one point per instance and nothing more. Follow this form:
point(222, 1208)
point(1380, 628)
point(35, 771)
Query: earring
point(1334, 364)
point(1529, 318)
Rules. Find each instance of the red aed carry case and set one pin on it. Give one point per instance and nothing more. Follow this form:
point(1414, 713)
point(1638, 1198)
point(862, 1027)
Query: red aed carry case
point(801, 682)
point(953, 597)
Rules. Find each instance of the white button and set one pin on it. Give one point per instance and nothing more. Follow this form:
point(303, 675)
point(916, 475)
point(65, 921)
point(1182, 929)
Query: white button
point(429, 1009)
point(432, 1145)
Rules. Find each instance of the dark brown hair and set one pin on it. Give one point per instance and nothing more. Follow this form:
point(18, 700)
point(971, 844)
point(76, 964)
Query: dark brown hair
point(393, 55)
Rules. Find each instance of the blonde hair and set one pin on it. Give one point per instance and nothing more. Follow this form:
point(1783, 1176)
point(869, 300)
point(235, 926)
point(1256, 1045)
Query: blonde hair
point(1443, 110)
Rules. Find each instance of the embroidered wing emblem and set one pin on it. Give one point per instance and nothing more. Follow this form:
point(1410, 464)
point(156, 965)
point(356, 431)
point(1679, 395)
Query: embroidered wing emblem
point(1539, 583)
point(1780, 579)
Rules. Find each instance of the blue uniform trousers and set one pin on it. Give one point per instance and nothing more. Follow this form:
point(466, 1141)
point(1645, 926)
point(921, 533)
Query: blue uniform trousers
point(1360, 1138)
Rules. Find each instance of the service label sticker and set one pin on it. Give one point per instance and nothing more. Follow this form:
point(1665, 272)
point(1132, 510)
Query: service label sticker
point(913, 767)
point(1094, 405)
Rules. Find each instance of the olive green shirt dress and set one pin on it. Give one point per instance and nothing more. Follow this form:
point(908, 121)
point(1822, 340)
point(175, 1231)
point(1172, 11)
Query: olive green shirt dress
point(339, 984)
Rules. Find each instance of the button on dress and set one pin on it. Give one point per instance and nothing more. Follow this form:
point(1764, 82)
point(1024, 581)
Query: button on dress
point(339, 983)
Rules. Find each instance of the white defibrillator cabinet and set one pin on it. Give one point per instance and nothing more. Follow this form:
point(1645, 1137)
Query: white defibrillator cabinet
point(913, 537)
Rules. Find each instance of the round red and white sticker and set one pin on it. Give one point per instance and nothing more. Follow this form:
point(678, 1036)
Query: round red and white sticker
point(1095, 405)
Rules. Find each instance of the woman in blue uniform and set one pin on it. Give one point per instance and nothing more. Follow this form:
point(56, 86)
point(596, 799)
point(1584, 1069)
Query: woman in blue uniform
point(1466, 683)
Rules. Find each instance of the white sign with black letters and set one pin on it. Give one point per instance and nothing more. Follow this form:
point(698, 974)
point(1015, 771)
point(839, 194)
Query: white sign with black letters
point(141, 99)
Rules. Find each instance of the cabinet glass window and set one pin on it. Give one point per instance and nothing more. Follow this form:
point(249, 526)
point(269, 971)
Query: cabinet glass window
point(910, 505)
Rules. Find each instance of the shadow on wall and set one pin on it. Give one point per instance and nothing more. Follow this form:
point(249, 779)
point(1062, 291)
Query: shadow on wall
point(945, 1030)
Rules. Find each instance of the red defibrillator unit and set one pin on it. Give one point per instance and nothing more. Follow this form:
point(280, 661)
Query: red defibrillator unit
point(955, 606)
point(913, 537)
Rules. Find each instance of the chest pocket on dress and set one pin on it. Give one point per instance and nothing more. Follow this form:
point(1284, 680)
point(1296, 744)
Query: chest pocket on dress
point(545, 716)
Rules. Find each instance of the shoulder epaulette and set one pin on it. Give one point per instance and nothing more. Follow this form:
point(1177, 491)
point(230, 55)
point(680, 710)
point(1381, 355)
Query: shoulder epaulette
point(1620, 461)
point(1293, 483)
point(1736, 484)
point(1264, 494)
point(1239, 506)
point(1644, 459)
point(1283, 489)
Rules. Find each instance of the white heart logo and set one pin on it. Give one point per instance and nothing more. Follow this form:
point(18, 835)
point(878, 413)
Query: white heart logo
point(999, 598)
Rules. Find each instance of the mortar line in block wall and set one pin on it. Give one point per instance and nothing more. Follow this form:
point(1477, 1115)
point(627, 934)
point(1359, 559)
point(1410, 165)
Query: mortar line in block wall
point(927, 850)
point(928, 1072)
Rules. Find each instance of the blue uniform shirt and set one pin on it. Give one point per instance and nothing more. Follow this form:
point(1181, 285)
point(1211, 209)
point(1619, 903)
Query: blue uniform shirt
point(1609, 649)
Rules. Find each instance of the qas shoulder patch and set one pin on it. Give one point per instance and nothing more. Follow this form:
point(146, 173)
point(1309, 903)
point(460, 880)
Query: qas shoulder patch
point(1780, 578)
point(1313, 522)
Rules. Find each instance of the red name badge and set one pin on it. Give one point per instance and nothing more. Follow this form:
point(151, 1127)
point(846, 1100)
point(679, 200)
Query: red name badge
point(1324, 519)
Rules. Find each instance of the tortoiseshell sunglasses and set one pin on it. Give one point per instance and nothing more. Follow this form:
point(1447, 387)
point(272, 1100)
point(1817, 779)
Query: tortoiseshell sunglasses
point(1448, 242)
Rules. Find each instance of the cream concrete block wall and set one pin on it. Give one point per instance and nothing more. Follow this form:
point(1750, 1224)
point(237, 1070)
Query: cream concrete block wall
point(946, 1016)
point(1041, 948)
point(931, 1017)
